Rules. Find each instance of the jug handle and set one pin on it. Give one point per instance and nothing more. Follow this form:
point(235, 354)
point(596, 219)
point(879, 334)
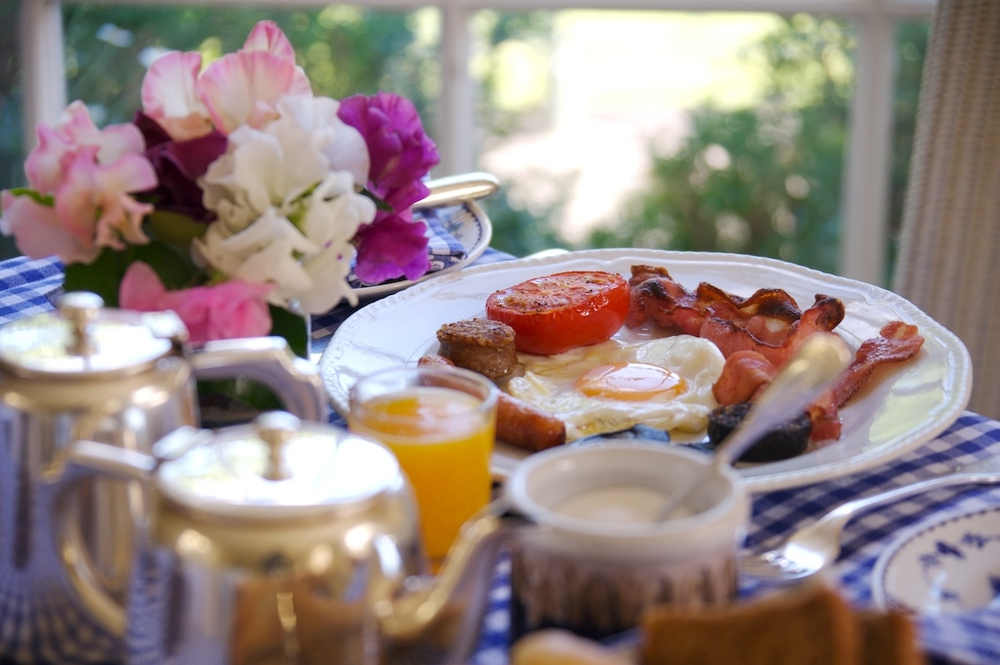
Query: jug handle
point(406, 615)
point(91, 459)
point(267, 360)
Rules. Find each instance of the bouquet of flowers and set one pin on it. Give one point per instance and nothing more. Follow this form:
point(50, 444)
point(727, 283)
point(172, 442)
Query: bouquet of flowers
point(236, 197)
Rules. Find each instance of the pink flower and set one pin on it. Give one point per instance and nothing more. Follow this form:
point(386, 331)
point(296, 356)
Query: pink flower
point(170, 96)
point(59, 145)
point(93, 205)
point(241, 88)
point(88, 175)
point(228, 310)
point(399, 151)
point(38, 232)
point(392, 246)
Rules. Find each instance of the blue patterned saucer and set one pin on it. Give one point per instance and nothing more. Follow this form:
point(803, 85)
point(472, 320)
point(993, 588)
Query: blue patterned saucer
point(947, 565)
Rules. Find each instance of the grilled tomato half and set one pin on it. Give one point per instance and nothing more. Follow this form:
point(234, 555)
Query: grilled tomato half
point(561, 311)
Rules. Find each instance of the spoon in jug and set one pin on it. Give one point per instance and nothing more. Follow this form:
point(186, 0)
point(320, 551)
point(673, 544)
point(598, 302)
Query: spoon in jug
point(813, 368)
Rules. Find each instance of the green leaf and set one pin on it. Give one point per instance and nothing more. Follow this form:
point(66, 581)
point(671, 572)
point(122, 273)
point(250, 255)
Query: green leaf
point(238, 398)
point(292, 327)
point(41, 199)
point(174, 267)
point(104, 274)
point(379, 202)
point(101, 276)
point(174, 228)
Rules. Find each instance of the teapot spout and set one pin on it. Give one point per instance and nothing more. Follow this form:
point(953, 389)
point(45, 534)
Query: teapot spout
point(112, 460)
point(407, 614)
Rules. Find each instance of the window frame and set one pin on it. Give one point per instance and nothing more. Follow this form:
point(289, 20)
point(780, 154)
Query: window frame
point(865, 194)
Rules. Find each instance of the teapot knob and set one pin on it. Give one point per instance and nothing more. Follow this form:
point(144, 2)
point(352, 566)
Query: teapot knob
point(80, 308)
point(275, 428)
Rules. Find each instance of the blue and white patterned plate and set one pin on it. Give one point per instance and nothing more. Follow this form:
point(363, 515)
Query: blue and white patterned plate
point(946, 565)
point(457, 236)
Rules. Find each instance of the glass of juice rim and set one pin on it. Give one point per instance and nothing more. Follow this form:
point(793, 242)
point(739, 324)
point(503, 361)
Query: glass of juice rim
point(369, 395)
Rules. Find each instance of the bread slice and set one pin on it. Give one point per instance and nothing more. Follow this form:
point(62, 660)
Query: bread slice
point(812, 625)
point(888, 638)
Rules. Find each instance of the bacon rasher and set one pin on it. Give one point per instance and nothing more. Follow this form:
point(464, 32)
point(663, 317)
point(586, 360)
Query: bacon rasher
point(897, 341)
point(768, 322)
point(747, 373)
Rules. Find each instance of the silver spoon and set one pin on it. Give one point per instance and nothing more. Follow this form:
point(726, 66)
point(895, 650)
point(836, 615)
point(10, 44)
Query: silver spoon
point(814, 547)
point(813, 368)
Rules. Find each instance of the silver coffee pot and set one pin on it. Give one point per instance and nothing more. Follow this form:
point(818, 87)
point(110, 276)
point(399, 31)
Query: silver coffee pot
point(126, 379)
point(285, 542)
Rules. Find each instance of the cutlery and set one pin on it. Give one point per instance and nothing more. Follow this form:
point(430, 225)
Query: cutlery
point(812, 548)
point(457, 188)
point(817, 364)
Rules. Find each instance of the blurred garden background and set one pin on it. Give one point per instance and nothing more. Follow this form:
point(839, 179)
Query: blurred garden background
point(710, 131)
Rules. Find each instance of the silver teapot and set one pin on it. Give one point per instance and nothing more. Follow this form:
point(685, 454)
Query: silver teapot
point(286, 542)
point(126, 379)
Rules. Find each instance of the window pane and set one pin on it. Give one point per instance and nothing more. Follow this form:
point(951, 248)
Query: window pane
point(711, 131)
point(343, 49)
point(911, 47)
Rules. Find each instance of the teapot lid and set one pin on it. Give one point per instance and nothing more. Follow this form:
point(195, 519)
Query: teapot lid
point(277, 467)
point(83, 338)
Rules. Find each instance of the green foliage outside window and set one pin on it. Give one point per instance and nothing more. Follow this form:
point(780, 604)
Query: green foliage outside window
point(767, 180)
point(763, 180)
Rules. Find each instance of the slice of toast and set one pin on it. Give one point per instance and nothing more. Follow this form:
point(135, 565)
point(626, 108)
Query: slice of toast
point(889, 638)
point(812, 625)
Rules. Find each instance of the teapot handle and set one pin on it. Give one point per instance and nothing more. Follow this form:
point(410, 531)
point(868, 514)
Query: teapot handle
point(91, 459)
point(406, 615)
point(268, 360)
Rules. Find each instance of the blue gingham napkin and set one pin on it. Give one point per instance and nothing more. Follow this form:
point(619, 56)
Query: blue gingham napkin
point(25, 284)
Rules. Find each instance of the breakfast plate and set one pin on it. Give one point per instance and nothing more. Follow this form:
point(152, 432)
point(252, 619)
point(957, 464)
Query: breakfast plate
point(901, 408)
point(459, 235)
point(950, 564)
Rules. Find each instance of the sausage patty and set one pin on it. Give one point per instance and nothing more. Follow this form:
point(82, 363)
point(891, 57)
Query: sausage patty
point(481, 345)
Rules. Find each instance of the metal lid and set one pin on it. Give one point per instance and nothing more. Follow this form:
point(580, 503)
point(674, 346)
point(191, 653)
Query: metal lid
point(83, 338)
point(279, 467)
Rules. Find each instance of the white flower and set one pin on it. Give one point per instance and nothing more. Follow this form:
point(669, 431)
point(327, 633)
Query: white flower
point(287, 204)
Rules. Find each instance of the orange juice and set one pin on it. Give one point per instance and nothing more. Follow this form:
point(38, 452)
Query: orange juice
point(443, 439)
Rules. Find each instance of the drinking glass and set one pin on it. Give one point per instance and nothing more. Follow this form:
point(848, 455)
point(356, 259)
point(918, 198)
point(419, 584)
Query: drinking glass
point(439, 422)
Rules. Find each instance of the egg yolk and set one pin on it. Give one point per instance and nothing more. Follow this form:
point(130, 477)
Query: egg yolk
point(631, 381)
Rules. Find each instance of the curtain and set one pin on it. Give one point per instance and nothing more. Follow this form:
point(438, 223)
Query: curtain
point(949, 255)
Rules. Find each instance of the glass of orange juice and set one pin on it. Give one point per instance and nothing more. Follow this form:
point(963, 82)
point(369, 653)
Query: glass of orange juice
point(439, 422)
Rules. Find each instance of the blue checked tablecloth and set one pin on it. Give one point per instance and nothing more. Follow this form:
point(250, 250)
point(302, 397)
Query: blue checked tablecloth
point(972, 638)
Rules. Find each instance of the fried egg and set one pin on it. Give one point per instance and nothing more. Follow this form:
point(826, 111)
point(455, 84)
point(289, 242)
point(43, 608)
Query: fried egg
point(664, 383)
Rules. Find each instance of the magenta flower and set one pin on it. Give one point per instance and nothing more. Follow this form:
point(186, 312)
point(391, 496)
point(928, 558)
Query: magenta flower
point(399, 151)
point(225, 311)
point(178, 165)
point(392, 246)
point(400, 155)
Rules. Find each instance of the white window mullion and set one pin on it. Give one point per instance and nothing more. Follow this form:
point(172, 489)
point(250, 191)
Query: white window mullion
point(455, 133)
point(43, 75)
point(865, 194)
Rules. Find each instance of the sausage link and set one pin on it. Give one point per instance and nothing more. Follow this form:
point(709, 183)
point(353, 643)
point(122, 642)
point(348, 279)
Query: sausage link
point(518, 424)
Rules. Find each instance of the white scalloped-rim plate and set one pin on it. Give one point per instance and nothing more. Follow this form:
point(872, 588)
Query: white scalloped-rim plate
point(907, 404)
